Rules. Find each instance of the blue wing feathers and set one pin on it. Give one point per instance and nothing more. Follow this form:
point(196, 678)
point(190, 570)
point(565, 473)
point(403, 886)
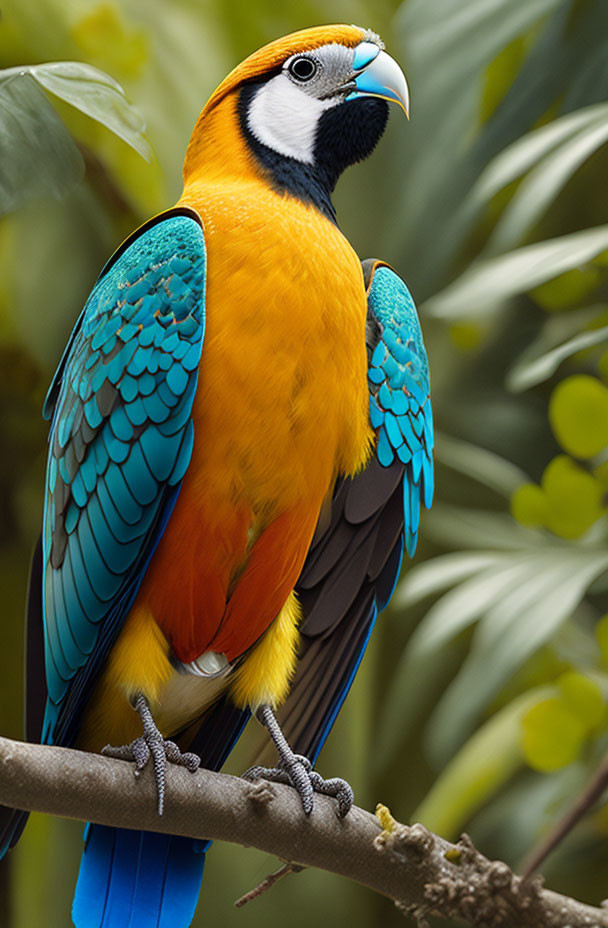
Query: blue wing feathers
point(121, 437)
point(400, 406)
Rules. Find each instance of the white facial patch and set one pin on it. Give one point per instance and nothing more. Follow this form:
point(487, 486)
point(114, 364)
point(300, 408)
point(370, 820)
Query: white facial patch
point(285, 118)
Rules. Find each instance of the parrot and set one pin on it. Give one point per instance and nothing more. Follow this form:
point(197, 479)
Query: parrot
point(240, 444)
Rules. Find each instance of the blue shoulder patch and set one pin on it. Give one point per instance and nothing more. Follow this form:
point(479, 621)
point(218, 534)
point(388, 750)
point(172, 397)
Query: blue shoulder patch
point(120, 440)
point(400, 404)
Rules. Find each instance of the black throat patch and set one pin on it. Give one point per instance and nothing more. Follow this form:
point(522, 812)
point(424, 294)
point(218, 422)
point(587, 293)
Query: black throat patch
point(346, 133)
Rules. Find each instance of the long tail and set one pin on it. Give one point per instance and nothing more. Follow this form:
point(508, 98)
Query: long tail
point(137, 879)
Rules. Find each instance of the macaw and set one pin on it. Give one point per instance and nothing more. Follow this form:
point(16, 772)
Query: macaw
point(240, 442)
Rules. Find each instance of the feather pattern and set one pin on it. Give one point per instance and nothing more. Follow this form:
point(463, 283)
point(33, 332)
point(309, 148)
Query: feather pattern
point(120, 442)
point(400, 403)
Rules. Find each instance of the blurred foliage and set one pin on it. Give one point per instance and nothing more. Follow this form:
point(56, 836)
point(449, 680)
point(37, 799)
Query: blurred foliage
point(482, 700)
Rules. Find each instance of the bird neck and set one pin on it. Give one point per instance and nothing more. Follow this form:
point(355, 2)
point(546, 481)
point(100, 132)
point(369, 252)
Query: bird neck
point(217, 149)
point(312, 183)
point(222, 148)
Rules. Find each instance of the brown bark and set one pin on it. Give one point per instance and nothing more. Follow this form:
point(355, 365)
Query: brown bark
point(420, 871)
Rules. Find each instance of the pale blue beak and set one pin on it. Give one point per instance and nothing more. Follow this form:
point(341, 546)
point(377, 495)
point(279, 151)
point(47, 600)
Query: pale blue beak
point(378, 75)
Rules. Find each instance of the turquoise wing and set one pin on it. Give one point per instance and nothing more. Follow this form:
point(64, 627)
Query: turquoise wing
point(400, 401)
point(120, 442)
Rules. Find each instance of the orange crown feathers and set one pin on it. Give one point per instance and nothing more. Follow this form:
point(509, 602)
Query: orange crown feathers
point(272, 55)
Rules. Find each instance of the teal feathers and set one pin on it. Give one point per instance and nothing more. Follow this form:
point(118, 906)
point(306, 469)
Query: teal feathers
point(120, 442)
point(400, 405)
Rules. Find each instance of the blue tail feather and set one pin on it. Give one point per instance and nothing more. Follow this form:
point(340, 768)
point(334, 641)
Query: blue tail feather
point(137, 879)
point(140, 879)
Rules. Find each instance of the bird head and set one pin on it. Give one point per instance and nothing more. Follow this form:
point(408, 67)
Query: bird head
point(306, 107)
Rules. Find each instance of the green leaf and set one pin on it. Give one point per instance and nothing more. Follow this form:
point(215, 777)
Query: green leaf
point(532, 368)
point(479, 464)
point(574, 497)
point(488, 283)
point(526, 152)
point(458, 527)
point(440, 573)
point(446, 44)
point(37, 154)
point(529, 505)
point(466, 603)
point(96, 94)
point(522, 621)
point(537, 191)
point(70, 238)
point(461, 36)
point(570, 289)
point(584, 697)
point(589, 82)
point(487, 761)
point(601, 632)
point(578, 413)
point(552, 735)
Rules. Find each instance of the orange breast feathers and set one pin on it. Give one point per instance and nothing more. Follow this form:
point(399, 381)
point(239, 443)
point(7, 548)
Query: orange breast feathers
point(281, 405)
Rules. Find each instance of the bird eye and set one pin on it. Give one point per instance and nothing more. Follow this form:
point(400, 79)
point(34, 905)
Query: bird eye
point(303, 68)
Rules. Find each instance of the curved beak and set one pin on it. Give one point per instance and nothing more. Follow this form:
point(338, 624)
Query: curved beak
point(378, 75)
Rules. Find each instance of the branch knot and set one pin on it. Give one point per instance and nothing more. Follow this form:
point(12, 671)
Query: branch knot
point(261, 792)
point(406, 841)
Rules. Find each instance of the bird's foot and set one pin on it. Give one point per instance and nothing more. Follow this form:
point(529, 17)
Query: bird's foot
point(296, 770)
point(152, 745)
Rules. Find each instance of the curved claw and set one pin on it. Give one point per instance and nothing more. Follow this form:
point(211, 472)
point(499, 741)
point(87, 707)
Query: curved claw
point(187, 759)
point(338, 788)
point(306, 781)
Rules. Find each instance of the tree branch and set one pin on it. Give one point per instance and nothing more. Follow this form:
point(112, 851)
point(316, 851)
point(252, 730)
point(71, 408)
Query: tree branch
point(421, 872)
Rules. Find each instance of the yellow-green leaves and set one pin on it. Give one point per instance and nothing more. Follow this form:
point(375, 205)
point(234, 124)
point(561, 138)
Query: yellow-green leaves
point(529, 506)
point(578, 413)
point(584, 697)
point(568, 501)
point(552, 735)
point(573, 496)
point(466, 336)
point(555, 729)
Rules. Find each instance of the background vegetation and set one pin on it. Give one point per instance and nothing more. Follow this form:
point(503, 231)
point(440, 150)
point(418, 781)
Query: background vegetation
point(482, 701)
